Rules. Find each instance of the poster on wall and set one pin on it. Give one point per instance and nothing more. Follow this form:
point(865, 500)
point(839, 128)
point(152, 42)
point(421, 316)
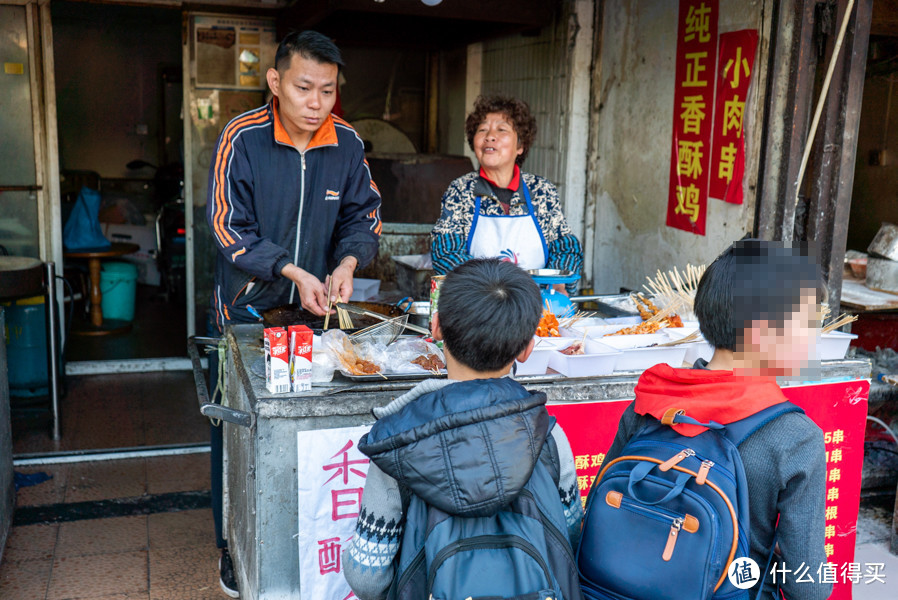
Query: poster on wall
point(735, 68)
point(233, 52)
point(693, 110)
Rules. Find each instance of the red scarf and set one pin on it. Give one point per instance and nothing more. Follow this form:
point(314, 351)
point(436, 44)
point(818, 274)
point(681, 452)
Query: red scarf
point(705, 395)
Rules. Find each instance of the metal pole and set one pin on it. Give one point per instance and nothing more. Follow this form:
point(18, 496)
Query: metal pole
point(52, 342)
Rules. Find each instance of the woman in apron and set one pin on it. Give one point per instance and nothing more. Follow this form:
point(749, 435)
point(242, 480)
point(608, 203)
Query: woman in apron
point(500, 211)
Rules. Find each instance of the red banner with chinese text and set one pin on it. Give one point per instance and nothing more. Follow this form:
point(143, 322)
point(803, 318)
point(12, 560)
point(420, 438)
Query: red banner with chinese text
point(693, 107)
point(840, 409)
point(737, 58)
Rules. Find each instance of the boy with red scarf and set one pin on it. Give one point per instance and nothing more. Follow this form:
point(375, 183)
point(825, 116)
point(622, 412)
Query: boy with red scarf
point(757, 305)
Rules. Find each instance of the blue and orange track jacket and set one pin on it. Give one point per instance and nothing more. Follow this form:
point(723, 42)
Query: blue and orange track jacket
point(269, 204)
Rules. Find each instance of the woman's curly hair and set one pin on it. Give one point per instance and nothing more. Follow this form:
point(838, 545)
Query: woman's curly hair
point(517, 111)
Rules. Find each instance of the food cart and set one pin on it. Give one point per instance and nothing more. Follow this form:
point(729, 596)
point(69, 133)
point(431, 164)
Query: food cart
point(271, 456)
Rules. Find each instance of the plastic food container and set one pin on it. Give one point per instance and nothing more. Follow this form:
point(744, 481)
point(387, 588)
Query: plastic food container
point(553, 343)
point(640, 359)
point(625, 342)
point(598, 360)
point(364, 289)
point(536, 364)
point(834, 345)
point(697, 350)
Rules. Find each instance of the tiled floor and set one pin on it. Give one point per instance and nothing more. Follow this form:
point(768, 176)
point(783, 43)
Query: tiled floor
point(161, 556)
point(121, 410)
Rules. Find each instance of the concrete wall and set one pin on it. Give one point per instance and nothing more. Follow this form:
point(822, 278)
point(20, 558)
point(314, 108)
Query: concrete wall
point(632, 104)
point(875, 186)
point(534, 69)
point(107, 82)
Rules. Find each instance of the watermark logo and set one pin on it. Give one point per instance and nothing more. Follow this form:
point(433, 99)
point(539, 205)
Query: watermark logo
point(744, 573)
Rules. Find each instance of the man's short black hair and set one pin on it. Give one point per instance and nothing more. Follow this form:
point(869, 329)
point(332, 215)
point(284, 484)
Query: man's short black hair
point(488, 311)
point(753, 280)
point(308, 44)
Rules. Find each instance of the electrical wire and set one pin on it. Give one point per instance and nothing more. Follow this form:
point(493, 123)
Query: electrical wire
point(882, 424)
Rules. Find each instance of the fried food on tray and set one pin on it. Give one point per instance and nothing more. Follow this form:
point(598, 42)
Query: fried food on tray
point(644, 327)
point(431, 362)
point(650, 326)
point(648, 310)
point(363, 367)
point(646, 307)
point(353, 363)
point(548, 325)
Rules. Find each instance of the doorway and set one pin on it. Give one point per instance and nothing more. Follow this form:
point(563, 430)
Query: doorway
point(118, 89)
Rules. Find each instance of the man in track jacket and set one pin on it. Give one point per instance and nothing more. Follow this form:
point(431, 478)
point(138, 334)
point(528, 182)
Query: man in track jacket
point(290, 197)
point(291, 202)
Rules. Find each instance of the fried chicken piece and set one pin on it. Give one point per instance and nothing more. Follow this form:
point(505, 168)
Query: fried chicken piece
point(644, 327)
point(430, 362)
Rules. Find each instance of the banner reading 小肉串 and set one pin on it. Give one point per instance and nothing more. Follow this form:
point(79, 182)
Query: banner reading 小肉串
point(737, 57)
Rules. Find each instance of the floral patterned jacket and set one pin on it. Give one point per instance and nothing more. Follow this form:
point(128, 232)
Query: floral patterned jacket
point(450, 234)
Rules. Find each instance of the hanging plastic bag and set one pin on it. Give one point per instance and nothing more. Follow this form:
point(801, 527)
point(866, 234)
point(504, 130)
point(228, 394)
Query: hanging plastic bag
point(82, 230)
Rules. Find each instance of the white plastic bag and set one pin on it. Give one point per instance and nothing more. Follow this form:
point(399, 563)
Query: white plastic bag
point(401, 353)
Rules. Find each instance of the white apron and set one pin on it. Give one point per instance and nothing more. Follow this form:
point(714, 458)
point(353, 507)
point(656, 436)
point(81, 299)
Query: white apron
point(516, 239)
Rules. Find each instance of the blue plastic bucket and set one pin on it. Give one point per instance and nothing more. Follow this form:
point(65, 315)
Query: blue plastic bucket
point(26, 346)
point(118, 284)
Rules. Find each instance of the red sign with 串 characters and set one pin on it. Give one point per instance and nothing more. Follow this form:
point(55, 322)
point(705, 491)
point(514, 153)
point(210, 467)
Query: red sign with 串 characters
point(737, 57)
point(690, 158)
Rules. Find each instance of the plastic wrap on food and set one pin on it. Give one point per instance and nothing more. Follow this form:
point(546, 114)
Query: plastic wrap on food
point(363, 358)
point(414, 355)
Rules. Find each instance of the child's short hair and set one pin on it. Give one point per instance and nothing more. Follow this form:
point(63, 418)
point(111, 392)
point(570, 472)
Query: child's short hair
point(753, 280)
point(488, 311)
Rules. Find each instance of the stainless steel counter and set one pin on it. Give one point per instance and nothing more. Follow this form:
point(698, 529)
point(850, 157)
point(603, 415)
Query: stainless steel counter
point(261, 452)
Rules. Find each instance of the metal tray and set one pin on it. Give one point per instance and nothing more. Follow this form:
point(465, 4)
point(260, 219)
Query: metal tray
point(552, 276)
point(392, 376)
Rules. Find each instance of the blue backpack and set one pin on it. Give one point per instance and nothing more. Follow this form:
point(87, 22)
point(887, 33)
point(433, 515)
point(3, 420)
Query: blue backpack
point(667, 517)
point(520, 553)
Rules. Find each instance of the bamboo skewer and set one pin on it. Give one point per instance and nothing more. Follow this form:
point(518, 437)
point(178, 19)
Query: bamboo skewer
point(843, 319)
point(676, 285)
point(330, 304)
point(689, 338)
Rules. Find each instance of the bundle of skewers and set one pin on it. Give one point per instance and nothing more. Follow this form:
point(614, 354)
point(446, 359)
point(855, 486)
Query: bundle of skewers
point(841, 320)
point(677, 288)
point(654, 318)
point(345, 321)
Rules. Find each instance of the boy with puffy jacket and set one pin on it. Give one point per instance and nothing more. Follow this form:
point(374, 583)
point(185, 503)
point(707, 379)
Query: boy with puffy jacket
point(467, 448)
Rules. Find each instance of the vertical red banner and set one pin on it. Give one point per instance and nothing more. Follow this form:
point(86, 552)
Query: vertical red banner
point(734, 71)
point(840, 410)
point(690, 158)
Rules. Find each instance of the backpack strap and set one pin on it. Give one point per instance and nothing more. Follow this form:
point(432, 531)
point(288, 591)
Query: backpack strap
point(739, 431)
point(548, 456)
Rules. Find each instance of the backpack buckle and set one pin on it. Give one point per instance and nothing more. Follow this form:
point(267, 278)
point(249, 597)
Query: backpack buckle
point(670, 414)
